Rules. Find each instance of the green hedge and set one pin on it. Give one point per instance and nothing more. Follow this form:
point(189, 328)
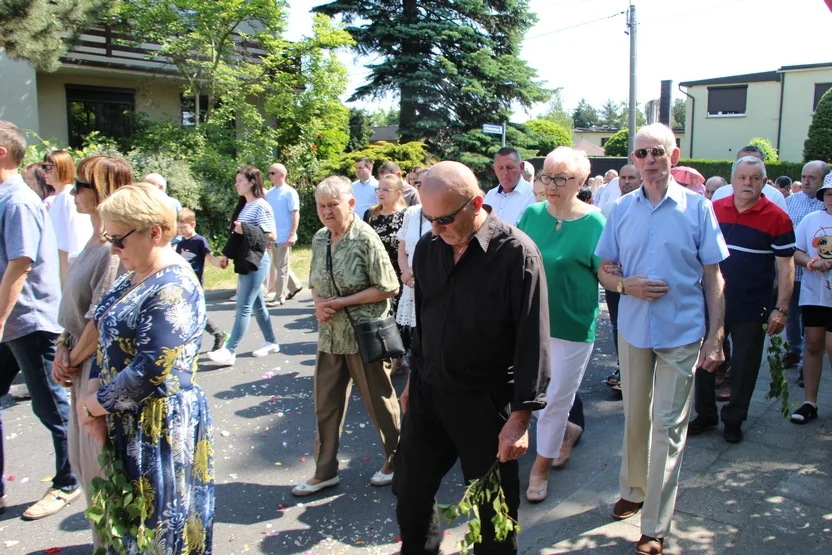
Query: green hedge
point(710, 168)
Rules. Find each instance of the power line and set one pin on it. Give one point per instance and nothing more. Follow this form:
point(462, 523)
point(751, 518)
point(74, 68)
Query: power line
point(577, 25)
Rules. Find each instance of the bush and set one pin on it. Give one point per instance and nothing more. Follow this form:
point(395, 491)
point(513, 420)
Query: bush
point(548, 135)
point(618, 144)
point(768, 148)
point(818, 145)
point(182, 184)
point(405, 155)
point(710, 168)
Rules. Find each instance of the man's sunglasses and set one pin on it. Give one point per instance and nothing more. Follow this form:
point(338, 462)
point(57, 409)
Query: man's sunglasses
point(657, 152)
point(449, 219)
point(117, 242)
point(82, 185)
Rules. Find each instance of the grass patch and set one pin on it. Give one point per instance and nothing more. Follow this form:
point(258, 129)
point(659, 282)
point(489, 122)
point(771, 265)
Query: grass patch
point(226, 279)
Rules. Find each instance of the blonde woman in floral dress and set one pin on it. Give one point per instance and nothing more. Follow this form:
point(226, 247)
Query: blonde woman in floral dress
point(150, 328)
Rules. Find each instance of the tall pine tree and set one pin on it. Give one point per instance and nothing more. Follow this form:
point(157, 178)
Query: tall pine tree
point(40, 31)
point(454, 65)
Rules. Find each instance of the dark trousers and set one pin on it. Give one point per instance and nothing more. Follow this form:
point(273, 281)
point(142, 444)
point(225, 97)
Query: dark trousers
point(212, 328)
point(748, 339)
point(576, 413)
point(440, 426)
point(33, 355)
point(794, 322)
point(613, 298)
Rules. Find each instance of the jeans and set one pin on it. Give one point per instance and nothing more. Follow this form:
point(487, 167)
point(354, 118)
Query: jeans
point(33, 354)
point(794, 322)
point(250, 297)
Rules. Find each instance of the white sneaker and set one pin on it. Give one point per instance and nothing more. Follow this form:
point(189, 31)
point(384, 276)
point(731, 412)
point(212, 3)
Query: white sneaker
point(266, 349)
point(222, 356)
point(270, 297)
point(19, 391)
point(233, 298)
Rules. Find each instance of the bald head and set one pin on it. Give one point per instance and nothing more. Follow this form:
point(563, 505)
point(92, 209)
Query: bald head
point(629, 179)
point(449, 180)
point(712, 184)
point(277, 174)
point(452, 201)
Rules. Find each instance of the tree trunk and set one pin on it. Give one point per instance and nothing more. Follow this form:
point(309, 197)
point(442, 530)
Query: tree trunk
point(407, 92)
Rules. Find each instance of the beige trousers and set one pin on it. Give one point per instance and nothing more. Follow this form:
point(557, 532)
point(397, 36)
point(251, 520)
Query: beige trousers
point(334, 375)
point(657, 385)
point(281, 277)
point(83, 449)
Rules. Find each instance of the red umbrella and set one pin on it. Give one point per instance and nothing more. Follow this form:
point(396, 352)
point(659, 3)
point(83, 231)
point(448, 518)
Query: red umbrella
point(687, 176)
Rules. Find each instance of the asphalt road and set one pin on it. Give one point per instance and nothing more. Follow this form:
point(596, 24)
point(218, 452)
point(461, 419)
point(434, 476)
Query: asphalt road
point(264, 431)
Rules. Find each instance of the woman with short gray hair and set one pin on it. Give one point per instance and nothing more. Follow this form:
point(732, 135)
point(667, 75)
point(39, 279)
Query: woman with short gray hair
point(351, 280)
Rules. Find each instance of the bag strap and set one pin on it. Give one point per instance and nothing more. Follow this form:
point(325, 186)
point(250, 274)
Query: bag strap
point(332, 275)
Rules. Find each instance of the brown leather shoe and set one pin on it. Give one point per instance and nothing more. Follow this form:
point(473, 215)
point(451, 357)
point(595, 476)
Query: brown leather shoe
point(625, 509)
point(724, 394)
point(649, 546)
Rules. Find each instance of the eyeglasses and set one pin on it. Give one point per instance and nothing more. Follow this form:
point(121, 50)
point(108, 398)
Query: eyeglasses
point(48, 167)
point(385, 190)
point(417, 184)
point(81, 185)
point(117, 242)
point(656, 151)
point(449, 219)
point(556, 181)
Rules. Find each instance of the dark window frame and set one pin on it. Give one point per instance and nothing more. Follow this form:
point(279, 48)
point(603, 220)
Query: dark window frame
point(96, 100)
point(727, 102)
point(822, 88)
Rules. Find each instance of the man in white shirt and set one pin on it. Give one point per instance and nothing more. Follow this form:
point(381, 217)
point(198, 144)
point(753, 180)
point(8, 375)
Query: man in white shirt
point(513, 195)
point(628, 181)
point(770, 192)
point(364, 188)
point(285, 203)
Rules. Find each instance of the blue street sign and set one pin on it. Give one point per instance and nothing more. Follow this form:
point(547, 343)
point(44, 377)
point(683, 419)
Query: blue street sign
point(492, 129)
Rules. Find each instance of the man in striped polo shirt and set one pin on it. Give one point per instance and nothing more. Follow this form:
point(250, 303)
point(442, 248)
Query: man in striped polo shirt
point(760, 237)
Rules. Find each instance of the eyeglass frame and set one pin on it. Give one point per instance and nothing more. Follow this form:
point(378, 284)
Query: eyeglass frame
point(448, 219)
point(553, 180)
point(47, 167)
point(117, 242)
point(82, 185)
point(656, 151)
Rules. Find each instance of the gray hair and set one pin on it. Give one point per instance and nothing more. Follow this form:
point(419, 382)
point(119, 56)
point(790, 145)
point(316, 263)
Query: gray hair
point(528, 169)
point(334, 186)
point(575, 160)
point(158, 180)
point(753, 160)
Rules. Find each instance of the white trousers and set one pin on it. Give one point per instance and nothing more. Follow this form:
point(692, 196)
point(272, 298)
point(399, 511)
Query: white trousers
point(569, 360)
point(657, 385)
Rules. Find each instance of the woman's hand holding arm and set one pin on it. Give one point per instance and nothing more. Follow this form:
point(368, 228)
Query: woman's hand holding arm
point(86, 346)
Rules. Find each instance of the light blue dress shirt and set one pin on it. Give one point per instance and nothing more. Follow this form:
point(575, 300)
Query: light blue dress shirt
point(284, 201)
point(671, 242)
point(365, 194)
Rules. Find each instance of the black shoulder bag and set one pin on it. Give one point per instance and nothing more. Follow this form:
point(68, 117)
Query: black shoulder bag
point(378, 339)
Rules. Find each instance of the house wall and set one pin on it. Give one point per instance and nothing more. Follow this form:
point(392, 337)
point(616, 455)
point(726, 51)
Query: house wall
point(798, 96)
point(593, 137)
point(719, 137)
point(158, 98)
point(18, 93)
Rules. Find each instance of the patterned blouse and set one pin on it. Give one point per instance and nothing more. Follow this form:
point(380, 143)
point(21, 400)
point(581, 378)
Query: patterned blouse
point(359, 261)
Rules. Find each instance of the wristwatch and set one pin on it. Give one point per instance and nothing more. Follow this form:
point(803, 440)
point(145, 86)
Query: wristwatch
point(620, 286)
point(784, 311)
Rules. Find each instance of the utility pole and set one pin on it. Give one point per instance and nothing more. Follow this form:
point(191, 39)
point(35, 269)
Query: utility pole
point(631, 30)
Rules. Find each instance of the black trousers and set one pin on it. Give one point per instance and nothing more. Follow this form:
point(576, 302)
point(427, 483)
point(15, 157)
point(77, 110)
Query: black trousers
point(576, 413)
point(440, 426)
point(748, 339)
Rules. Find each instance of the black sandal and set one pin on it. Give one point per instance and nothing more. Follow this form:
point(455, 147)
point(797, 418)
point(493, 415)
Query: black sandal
point(804, 414)
point(614, 379)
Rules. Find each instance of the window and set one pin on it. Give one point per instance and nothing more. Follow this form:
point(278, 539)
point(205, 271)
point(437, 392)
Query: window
point(604, 141)
point(103, 109)
point(188, 109)
point(820, 88)
point(727, 101)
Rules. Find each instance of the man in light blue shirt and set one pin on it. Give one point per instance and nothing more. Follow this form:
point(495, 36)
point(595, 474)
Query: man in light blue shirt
point(30, 293)
point(285, 203)
point(364, 188)
point(661, 245)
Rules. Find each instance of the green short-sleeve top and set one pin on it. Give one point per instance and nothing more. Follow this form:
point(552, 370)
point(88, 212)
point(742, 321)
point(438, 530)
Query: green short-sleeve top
point(571, 269)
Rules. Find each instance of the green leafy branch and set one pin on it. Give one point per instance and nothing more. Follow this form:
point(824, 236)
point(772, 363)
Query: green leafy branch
point(778, 387)
point(119, 507)
point(481, 492)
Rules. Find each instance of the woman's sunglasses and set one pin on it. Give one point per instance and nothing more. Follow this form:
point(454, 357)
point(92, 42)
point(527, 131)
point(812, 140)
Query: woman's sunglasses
point(82, 185)
point(48, 167)
point(657, 152)
point(117, 242)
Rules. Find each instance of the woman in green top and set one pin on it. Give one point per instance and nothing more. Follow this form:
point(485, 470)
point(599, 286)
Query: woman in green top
point(566, 231)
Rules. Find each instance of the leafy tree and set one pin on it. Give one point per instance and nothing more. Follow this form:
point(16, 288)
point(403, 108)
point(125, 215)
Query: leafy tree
point(384, 117)
point(678, 114)
point(768, 148)
point(555, 111)
point(453, 65)
point(361, 129)
point(40, 31)
point(585, 115)
point(617, 145)
point(624, 120)
point(548, 135)
point(613, 114)
point(818, 146)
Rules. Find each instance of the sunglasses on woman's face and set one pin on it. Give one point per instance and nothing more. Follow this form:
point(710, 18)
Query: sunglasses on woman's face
point(48, 167)
point(81, 185)
point(116, 241)
point(657, 152)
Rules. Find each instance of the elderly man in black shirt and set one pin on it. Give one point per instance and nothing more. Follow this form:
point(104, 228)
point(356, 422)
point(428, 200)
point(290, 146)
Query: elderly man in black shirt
point(480, 359)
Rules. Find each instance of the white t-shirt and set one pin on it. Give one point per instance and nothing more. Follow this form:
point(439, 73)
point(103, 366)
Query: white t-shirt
point(814, 229)
point(366, 195)
point(611, 193)
point(509, 207)
point(73, 230)
point(770, 192)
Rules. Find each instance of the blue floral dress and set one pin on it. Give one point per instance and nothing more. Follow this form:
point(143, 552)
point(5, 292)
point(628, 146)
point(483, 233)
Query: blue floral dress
point(149, 339)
